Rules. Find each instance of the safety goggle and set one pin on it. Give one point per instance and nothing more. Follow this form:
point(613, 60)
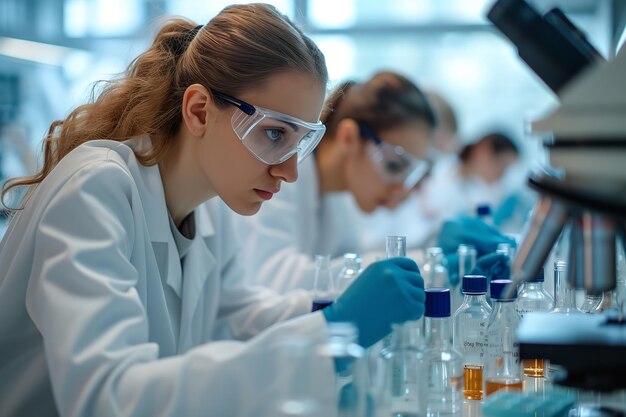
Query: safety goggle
point(270, 136)
point(394, 164)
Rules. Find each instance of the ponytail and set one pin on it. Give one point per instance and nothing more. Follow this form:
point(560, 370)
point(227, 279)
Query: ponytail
point(235, 51)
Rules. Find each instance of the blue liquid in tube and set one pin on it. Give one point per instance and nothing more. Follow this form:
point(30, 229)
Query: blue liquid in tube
point(320, 304)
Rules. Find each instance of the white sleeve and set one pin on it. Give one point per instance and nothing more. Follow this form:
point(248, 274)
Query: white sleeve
point(83, 298)
point(273, 237)
point(247, 309)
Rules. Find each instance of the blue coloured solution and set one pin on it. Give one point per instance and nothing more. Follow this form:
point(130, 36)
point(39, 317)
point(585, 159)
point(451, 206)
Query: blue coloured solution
point(320, 304)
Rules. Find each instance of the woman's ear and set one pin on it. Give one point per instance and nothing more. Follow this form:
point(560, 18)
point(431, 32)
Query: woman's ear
point(348, 136)
point(196, 109)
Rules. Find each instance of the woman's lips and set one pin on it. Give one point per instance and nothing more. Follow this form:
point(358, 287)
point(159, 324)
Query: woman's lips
point(265, 195)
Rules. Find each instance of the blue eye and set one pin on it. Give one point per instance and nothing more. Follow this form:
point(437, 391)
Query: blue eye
point(274, 134)
point(397, 166)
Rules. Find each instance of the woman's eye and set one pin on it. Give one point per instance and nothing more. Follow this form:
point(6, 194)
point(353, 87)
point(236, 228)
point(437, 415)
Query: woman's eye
point(394, 167)
point(274, 134)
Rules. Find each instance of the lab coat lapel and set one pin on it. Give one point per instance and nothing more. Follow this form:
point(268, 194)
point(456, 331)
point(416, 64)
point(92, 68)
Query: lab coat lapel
point(198, 265)
point(150, 187)
point(163, 245)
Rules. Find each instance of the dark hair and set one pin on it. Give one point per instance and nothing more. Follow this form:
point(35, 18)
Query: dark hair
point(499, 142)
point(385, 101)
point(237, 50)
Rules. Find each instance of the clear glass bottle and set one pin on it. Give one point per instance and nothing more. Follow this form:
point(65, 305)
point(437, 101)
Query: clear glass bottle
point(502, 367)
point(395, 247)
point(467, 260)
point(324, 292)
point(532, 297)
point(591, 304)
point(350, 369)
point(381, 364)
point(470, 334)
point(564, 295)
point(507, 250)
point(443, 364)
point(434, 272)
point(402, 368)
point(350, 271)
point(414, 330)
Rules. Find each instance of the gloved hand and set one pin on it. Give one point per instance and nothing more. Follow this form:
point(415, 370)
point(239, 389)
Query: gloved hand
point(389, 291)
point(471, 231)
point(493, 266)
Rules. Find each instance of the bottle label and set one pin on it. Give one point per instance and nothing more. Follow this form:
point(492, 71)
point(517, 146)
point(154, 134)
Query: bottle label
point(523, 311)
point(474, 343)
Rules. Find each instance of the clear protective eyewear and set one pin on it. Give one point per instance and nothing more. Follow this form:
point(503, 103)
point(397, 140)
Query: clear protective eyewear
point(394, 163)
point(272, 137)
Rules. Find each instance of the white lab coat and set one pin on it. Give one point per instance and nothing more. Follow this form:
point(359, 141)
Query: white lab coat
point(280, 241)
point(446, 193)
point(85, 322)
point(407, 219)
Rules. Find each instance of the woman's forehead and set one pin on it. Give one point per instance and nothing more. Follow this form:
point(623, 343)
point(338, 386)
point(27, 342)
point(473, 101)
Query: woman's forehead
point(415, 138)
point(289, 92)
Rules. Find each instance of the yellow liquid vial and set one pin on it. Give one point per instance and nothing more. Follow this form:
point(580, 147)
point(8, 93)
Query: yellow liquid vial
point(503, 384)
point(473, 382)
point(534, 368)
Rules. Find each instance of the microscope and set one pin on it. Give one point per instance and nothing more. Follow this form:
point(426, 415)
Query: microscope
point(583, 190)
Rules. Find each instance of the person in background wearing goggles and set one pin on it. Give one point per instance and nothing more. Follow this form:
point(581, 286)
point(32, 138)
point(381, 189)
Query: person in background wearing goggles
point(117, 291)
point(374, 152)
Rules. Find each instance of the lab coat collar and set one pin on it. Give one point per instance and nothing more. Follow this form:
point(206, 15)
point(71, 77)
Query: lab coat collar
point(157, 217)
point(158, 220)
point(199, 257)
point(198, 249)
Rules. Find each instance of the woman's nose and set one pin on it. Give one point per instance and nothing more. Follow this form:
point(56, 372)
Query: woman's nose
point(287, 171)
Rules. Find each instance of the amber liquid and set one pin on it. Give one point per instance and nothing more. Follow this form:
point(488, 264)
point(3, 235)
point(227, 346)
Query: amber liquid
point(503, 384)
point(534, 368)
point(473, 382)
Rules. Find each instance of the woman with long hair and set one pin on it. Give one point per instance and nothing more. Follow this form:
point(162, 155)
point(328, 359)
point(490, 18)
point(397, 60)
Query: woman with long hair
point(116, 293)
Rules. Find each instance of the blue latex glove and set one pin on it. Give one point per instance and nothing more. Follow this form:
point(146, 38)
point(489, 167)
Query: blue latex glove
point(507, 209)
point(389, 291)
point(493, 266)
point(471, 231)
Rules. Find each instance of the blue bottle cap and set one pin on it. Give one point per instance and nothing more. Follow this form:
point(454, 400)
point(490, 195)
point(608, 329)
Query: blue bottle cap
point(483, 210)
point(474, 284)
point(498, 287)
point(539, 277)
point(437, 302)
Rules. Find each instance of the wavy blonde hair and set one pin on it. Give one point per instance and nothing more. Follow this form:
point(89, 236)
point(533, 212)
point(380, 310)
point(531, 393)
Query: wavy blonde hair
point(237, 50)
